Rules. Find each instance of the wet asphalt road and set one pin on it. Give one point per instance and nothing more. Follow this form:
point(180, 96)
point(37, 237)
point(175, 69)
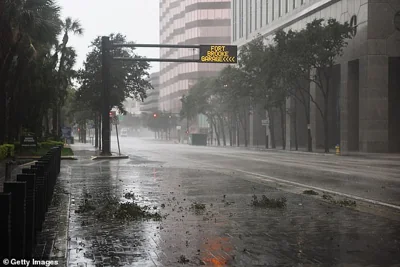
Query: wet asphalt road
point(169, 178)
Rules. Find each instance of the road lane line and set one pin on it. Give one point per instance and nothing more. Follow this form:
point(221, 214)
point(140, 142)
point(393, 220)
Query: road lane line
point(288, 163)
point(263, 176)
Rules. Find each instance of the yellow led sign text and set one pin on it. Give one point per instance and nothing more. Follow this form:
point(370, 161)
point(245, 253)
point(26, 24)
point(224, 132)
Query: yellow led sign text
point(218, 54)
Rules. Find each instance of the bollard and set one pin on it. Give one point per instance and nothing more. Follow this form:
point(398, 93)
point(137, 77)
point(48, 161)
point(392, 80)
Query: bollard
point(29, 179)
point(36, 215)
point(40, 196)
point(5, 225)
point(18, 239)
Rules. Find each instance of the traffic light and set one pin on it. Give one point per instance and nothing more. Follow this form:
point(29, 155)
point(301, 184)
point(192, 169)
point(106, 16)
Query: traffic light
point(113, 114)
point(155, 115)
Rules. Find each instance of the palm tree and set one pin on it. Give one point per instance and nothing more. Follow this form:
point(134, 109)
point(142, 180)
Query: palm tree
point(24, 27)
point(68, 26)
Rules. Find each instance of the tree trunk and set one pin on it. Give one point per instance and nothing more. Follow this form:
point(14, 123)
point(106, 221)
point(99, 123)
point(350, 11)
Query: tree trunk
point(216, 131)
point(237, 130)
point(100, 133)
point(230, 130)
point(222, 126)
point(3, 105)
point(246, 141)
point(294, 117)
point(96, 130)
point(283, 129)
point(272, 127)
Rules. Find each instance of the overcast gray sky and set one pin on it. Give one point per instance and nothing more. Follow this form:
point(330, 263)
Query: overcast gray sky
point(137, 19)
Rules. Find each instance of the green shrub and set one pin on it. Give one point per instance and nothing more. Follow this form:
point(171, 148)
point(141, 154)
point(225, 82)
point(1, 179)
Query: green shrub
point(4, 150)
point(50, 144)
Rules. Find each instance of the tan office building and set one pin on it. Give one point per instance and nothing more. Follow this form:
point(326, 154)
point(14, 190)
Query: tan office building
point(190, 22)
point(365, 97)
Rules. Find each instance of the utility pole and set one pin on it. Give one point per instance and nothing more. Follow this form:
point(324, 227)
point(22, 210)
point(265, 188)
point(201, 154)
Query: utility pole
point(105, 47)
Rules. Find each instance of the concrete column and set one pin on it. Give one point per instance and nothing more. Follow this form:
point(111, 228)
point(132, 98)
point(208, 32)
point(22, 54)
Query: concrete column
point(344, 108)
point(316, 122)
point(373, 97)
point(289, 123)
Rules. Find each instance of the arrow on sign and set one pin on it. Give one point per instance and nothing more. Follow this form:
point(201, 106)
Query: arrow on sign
point(228, 59)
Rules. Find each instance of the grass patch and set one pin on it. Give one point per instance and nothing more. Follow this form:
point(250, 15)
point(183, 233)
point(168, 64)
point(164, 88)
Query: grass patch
point(266, 202)
point(66, 152)
point(310, 192)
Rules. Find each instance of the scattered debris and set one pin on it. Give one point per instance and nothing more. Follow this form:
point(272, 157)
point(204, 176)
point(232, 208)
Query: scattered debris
point(130, 195)
point(85, 207)
point(310, 192)
point(183, 260)
point(266, 202)
point(127, 211)
point(198, 208)
point(342, 202)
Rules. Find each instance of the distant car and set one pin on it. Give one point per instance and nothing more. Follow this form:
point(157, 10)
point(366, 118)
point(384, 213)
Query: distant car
point(124, 133)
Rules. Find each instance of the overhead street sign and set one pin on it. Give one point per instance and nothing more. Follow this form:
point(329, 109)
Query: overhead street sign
point(218, 54)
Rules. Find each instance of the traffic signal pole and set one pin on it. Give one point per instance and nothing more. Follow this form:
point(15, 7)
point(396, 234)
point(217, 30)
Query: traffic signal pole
point(225, 54)
point(106, 133)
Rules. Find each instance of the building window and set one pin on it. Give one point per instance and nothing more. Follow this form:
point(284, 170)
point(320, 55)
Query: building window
point(251, 16)
point(279, 8)
point(294, 4)
point(261, 13)
point(302, 2)
point(255, 14)
point(273, 10)
point(247, 18)
point(266, 12)
point(234, 20)
point(287, 6)
point(241, 21)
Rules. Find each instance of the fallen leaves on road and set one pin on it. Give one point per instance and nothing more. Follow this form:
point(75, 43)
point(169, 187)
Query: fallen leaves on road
point(310, 192)
point(266, 202)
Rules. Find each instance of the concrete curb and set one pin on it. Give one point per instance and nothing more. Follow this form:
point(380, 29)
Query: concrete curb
point(38, 157)
point(110, 157)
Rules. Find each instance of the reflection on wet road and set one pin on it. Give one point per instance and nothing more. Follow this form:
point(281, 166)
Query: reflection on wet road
point(228, 231)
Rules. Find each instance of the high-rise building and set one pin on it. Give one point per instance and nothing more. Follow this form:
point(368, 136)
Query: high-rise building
point(190, 22)
point(151, 103)
point(364, 94)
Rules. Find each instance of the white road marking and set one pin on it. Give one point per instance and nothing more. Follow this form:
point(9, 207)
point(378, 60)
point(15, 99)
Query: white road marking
point(264, 177)
point(285, 163)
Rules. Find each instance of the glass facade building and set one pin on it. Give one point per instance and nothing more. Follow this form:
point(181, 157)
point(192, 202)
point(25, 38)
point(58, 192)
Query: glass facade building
point(190, 22)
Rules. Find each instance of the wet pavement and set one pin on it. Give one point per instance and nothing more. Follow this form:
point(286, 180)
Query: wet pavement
point(227, 230)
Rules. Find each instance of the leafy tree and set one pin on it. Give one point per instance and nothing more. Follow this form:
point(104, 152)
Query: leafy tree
point(127, 79)
point(315, 49)
point(28, 29)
